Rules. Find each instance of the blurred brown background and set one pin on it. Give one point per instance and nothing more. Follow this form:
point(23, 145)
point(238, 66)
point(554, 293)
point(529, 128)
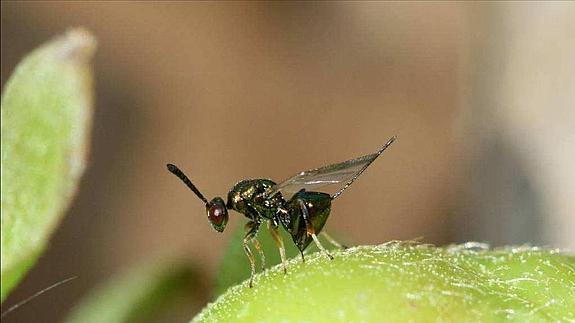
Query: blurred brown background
point(480, 97)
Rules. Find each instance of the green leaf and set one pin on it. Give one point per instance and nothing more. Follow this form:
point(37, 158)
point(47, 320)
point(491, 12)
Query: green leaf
point(46, 112)
point(401, 282)
point(235, 267)
point(138, 295)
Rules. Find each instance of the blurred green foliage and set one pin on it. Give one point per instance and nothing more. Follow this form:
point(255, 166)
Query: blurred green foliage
point(138, 295)
point(46, 112)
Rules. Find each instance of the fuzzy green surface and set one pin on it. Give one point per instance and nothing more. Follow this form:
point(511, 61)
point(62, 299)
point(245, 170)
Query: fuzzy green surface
point(398, 282)
point(46, 111)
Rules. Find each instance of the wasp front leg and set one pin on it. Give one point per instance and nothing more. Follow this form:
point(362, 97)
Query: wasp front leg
point(273, 227)
point(310, 229)
point(254, 214)
point(251, 231)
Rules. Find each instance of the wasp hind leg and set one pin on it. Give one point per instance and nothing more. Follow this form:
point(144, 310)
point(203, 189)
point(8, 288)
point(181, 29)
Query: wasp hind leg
point(251, 231)
point(333, 241)
point(311, 231)
point(273, 227)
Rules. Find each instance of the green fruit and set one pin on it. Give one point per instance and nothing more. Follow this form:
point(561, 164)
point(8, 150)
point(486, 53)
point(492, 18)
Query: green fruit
point(399, 282)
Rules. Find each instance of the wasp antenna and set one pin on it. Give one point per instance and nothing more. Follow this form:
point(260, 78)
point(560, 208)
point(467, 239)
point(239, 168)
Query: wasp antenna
point(176, 171)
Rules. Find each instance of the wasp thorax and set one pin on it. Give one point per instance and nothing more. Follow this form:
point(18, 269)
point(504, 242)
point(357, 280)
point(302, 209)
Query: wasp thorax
point(217, 213)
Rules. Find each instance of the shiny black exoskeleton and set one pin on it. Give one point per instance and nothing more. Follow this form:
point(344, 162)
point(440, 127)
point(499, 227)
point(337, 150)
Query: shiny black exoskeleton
point(303, 214)
point(294, 204)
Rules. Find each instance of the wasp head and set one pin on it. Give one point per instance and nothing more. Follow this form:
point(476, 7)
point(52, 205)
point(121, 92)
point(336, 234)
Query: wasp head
point(216, 208)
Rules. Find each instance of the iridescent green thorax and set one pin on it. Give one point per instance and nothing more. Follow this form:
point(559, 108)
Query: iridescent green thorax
point(247, 198)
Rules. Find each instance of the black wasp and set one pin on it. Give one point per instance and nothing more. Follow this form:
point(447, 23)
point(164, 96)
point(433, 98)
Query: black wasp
point(302, 215)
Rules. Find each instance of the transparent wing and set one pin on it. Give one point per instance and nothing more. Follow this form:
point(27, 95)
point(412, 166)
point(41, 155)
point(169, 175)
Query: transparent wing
point(345, 172)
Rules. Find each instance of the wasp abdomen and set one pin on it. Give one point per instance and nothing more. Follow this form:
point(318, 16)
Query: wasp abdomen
point(318, 206)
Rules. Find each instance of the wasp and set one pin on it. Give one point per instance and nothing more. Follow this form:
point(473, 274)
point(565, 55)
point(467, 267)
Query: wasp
point(293, 204)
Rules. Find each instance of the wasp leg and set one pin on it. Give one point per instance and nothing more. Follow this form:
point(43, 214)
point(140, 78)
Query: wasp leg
point(302, 256)
point(333, 241)
point(311, 230)
point(251, 259)
point(254, 240)
point(260, 251)
point(273, 227)
point(251, 230)
point(318, 244)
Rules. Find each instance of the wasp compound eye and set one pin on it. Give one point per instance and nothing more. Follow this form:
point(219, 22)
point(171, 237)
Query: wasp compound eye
point(217, 213)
